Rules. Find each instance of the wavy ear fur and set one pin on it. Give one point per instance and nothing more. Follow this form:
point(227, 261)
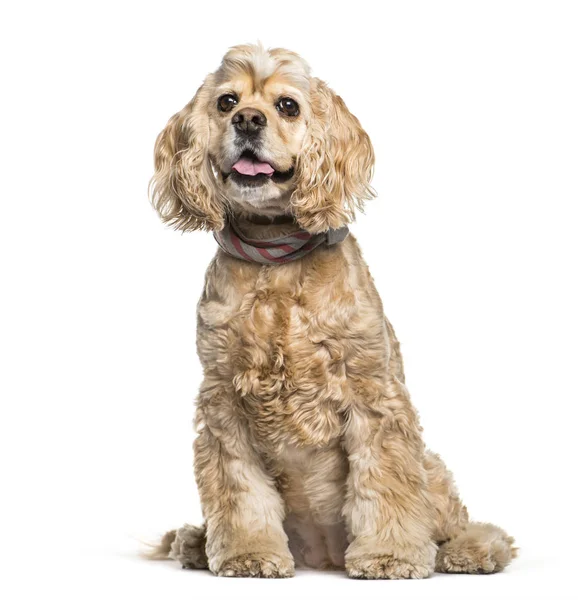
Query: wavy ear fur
point(334, 167)
point(183, 188)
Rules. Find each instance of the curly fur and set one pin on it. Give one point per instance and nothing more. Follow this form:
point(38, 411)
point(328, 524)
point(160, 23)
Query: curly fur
point(334, 167)
point(309, 451)
point(184, 190)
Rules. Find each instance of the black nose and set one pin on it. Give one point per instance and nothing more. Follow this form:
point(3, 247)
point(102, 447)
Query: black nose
point(249, 121)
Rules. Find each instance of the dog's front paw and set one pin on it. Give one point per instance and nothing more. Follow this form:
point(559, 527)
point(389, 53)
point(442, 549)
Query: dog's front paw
point(255, 564)
point(418, 564)
point(386, 567)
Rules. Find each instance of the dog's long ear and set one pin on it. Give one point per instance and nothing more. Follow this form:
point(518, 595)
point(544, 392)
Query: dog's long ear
point(183, 188)
point(334, 167)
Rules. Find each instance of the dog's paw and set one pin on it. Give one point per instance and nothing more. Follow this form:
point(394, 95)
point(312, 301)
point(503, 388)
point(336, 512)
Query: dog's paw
point(257, 565)
point(386, 567)
point(188, 547)
point(480, 548)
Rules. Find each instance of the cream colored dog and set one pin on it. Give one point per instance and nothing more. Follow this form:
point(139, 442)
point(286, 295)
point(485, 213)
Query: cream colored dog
point(309, 450)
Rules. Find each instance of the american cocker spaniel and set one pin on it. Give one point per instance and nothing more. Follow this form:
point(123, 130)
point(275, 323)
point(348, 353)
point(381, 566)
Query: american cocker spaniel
point(309, 451)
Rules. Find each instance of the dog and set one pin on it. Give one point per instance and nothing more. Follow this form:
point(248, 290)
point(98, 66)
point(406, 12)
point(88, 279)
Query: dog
point(309, 451)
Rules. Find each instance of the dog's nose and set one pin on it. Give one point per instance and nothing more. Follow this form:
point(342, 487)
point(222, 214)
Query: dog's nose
point(249, 121)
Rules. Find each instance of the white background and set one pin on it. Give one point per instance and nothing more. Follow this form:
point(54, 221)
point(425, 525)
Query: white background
point(473, 111)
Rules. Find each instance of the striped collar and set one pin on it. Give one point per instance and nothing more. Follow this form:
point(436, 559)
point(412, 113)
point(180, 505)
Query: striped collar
point(277, 250)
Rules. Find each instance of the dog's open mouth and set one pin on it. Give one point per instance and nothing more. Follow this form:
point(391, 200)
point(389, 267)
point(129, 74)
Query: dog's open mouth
point(249, 164)
point(249, 170)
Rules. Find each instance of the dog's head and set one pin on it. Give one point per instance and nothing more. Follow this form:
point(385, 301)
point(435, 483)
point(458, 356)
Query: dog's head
point(262, 136)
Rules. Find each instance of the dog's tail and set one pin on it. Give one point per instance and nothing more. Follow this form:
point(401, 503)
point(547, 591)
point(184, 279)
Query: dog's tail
point(185, 545)
point(162, 549)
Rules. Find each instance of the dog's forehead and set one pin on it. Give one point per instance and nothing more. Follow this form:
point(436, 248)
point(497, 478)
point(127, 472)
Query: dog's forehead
point(258, 66)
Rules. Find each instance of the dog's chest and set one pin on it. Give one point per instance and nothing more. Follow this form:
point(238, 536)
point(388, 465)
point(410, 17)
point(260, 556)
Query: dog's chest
point(286, 343)
point(289, 370)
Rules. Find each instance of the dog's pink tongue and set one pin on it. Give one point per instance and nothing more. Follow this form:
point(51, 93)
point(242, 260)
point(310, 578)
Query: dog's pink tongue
point(246, 166)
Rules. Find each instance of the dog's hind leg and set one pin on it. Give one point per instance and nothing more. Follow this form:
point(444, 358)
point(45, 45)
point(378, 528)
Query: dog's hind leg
point(188, 547)
point(185, 545)
point(479, 548)
point(464, 546)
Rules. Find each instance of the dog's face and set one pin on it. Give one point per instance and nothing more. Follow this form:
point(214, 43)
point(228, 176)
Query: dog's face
point(262, 136)
point(258, 117)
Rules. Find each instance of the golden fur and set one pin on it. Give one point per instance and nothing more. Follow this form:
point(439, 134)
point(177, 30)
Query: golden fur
point(309, 450)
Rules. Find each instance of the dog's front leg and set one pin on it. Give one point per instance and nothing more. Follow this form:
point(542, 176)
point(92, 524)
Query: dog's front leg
point(389, 522)
point(243, 510)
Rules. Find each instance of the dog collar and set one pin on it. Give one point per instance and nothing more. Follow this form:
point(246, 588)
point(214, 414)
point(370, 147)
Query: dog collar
point(277, 250)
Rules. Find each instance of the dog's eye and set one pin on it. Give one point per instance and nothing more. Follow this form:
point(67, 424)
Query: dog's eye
point(288, 107)
point(226, 102)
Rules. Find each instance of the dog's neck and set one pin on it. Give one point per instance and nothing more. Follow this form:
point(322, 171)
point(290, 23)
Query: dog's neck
point(272, 240)
point(262, 227)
